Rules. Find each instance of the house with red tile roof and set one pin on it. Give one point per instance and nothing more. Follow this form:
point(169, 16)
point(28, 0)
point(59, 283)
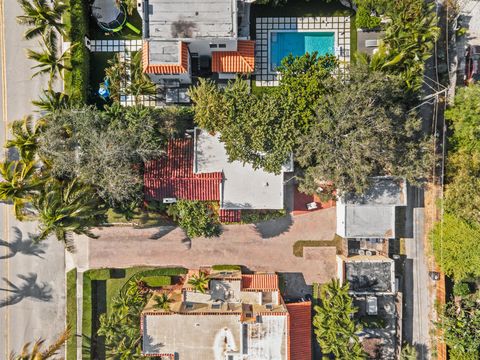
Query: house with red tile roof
point(183, 37)
point(240, 316)
point(199, 169)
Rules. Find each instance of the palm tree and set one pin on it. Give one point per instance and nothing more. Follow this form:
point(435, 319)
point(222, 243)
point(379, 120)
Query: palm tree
point(162, 302)
point(116, 72)
point(335, 329)
point(19, 184)
point(199, 282)
point(52, 101)
point(140, 83)
point(25, 137)
point(37, 353)
point(49, 60)
point(68, 207)
point(41, 17)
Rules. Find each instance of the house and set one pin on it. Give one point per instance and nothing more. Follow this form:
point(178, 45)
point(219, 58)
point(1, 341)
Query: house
point(182, 39)
point(199, 169)
point(378, 213)
point(373, 290)
point(240, 316)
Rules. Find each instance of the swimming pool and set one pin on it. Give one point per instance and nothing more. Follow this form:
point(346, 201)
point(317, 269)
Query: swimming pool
point(297, 43)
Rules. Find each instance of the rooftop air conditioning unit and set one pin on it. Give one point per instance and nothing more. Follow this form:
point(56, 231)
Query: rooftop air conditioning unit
point(169, 200)
point(361, 252)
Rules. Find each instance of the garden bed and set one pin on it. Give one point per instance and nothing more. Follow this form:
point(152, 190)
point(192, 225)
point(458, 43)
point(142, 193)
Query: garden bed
point(71, 304)
point(100, 286)
point(299, 245)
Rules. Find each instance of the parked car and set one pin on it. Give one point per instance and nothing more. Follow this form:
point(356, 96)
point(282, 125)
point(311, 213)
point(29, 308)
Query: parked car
point(472, 64)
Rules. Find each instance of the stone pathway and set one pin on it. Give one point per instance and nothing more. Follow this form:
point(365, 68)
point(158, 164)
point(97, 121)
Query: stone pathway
point(265, 27)
point(114, 45)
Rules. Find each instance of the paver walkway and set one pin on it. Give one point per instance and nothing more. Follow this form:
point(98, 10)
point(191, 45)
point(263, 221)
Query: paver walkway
point(115, 45)
point(266, 247)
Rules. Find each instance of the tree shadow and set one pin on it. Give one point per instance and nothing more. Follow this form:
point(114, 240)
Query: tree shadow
point(29, 289)
point(26, 246)
point(272, 228)
point(162, 231)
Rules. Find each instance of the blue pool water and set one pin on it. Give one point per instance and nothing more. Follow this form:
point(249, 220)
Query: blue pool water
point(283, 43)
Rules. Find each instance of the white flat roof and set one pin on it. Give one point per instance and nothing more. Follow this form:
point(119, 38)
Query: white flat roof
point(243, 186)
point(195, 337)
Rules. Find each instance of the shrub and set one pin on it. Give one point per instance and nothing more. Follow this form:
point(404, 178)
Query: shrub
point(195, 217)
point(461, 289)
point(366, 21)
point(98, 274)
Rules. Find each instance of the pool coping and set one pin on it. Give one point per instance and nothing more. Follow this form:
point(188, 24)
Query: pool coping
point(339, 25)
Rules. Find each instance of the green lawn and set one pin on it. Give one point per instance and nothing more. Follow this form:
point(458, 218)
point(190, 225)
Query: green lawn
point(141, 219)
point(100, 286)
point(72, 314)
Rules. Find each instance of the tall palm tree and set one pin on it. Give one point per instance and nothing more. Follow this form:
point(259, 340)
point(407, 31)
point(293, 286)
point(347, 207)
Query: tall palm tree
point(20, 183)
point(140, 83)
point(38, 353)
point(68, 207)
point(199, 282)
point(40, 16)
point(162, 302)
point(49, 60)
point(336, 331)
point(25, 137)
point(52, 101)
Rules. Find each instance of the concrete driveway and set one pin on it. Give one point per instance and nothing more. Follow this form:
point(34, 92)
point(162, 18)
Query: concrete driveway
point(266, 247)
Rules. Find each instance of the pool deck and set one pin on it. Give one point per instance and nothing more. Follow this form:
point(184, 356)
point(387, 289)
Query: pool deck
point(340, 26)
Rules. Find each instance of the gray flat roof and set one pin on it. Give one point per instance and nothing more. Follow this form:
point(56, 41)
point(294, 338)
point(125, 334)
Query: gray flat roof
point(195, 337)
point(164, 52)
point(370, 221)
point(173, 19)
point(243, 186)
point(382, 191)
point(370, 276)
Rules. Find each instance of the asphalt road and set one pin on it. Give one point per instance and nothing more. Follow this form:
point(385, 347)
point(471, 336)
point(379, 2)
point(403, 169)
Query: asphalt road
point(32, 277)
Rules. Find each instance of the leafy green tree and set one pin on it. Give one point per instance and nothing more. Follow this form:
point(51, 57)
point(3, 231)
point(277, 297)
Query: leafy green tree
point(199, 282)
point(455, 245)
point(106, 149)
point(41, 16)
point(162, 302)
point(459, 323)
point(38, 353)
point(334, 326)
point(66, 208)
point(51, 101)
point(25, 137)
point(20, 182)
point(49, 60)
point(364, 19)
point(195, 217)
point(363, 130)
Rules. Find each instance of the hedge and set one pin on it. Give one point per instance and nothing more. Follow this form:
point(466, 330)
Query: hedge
point(77, 81)
point(226, 267)
point(157, 281)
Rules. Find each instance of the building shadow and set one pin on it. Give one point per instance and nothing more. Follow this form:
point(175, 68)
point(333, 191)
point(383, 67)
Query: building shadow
point(272, 228)
point(21, 245)
point(407, 327)
point(28, 289)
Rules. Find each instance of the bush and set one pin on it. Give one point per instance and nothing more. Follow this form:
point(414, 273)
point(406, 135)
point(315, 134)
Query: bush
point(461, 289)
point(256, 216)
point(197, 218)
point(77, 85)
point(366, 21)
point(157, 281)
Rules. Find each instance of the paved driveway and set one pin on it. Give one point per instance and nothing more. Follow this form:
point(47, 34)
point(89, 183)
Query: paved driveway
point(267, 247)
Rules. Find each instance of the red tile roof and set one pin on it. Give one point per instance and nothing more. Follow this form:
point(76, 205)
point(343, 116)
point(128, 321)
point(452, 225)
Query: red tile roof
point(230, 216)
point(152, 68)
point(259, 282)
point(300, 330)
point(172, 176)
point(240, 61)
